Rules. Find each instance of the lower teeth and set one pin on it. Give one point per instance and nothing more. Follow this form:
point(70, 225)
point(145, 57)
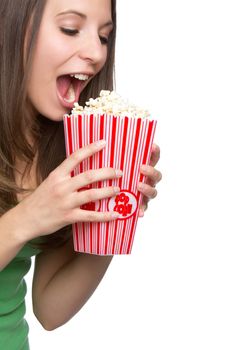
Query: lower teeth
point(71, 94)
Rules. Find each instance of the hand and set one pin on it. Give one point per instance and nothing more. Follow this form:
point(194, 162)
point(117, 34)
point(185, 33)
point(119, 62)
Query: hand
point(56, 202)
point(153, 177)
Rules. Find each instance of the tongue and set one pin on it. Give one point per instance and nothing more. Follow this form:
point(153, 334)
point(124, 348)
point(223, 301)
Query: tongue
point(63, 84)
point(69, 89)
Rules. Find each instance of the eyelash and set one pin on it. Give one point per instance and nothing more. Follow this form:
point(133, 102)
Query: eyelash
point(104, 40)
point(73, 32)
point(70, 32)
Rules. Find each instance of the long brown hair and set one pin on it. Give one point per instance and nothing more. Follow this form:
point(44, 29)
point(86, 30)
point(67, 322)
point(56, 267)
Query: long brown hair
point(15, 17)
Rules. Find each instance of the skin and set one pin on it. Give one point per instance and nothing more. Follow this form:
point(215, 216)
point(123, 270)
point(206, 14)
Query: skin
point(58, 53)
point(62, 274)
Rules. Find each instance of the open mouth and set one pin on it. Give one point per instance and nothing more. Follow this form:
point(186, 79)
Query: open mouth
point(69, 88)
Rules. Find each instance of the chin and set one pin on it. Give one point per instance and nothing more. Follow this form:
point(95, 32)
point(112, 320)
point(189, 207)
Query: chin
point(56, 116)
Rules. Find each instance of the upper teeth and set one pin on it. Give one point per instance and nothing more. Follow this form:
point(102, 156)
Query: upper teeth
point(80, 76)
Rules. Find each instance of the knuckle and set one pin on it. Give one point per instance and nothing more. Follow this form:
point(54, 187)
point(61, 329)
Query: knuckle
point(114, 172)
point(91, 194)
point(91, 216)
point(56, 191)
point(157, 149)
point(90, 175)
point(151, 171)
point(112, 191)
point(75, 216)
point(154, 193)
point(54, 184)
point(68, 218)
point(155, 174)
point(76, 156)
point(108, 172)
point(159, 176)
point(107, 216)
point(92, 147)
point(53, 176)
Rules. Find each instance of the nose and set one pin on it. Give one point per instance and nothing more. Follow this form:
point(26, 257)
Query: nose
point(91, 49)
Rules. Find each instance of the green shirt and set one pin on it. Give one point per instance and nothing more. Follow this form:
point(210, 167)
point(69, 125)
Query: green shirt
point(13, 327)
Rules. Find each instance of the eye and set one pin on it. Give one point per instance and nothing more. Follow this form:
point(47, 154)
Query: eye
point(68, 31)
point(104, 40)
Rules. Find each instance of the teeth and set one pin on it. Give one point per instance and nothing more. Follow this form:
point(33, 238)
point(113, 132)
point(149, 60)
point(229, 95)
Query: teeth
point(71, 94)
point(80, 76)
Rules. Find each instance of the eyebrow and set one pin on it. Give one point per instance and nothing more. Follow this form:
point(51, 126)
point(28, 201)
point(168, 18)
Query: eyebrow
point(74, 12)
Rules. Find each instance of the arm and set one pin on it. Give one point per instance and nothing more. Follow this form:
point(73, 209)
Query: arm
point(13, 236)
point(55, 203)
point(63, 282)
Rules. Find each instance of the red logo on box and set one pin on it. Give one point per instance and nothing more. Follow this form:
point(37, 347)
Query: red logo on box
point(125, 203)
point(94, 206)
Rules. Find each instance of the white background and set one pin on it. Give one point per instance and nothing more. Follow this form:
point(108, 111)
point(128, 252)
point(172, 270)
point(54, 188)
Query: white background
point(175, 291)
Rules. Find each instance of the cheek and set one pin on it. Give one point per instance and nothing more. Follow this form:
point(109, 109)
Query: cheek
point(47, 59)
point(52, 49)
point(103, 61)
point(41, 83)
point(47, 54)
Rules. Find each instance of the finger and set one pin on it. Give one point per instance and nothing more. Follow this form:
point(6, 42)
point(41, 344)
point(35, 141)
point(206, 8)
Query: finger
point(80, 215)
point(92, 195)
point(141, 213)
point(146, 190)
point(91, 176)
point(155, 155)
point(144, 205)
point(154, 176)
point(78, 156)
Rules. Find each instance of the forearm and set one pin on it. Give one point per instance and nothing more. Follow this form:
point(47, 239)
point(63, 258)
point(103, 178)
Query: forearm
point(69, 289)
point(13, 236)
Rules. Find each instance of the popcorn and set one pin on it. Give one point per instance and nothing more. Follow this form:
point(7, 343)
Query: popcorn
point(109, 102)
point(129, 136)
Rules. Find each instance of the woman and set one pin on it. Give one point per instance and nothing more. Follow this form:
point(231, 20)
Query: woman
point(42, 43)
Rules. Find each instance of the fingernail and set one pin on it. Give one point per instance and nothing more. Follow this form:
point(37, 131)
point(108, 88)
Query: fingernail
point(143, 167)
point(117, 189)
point(141, 212)
point(119, 173)
point(115, 215)
point(100, 143)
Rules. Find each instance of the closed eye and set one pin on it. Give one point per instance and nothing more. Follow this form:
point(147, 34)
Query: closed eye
point(104, 40)
point(73, 32)
point(68, 31)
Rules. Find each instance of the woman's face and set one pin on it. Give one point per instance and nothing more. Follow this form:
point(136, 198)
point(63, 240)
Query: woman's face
point(71, 49)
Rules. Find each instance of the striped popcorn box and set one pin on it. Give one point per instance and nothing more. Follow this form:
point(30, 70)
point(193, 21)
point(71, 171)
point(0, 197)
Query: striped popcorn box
point(129, 144)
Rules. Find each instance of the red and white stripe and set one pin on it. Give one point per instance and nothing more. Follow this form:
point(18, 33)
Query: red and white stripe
point(129, 144)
